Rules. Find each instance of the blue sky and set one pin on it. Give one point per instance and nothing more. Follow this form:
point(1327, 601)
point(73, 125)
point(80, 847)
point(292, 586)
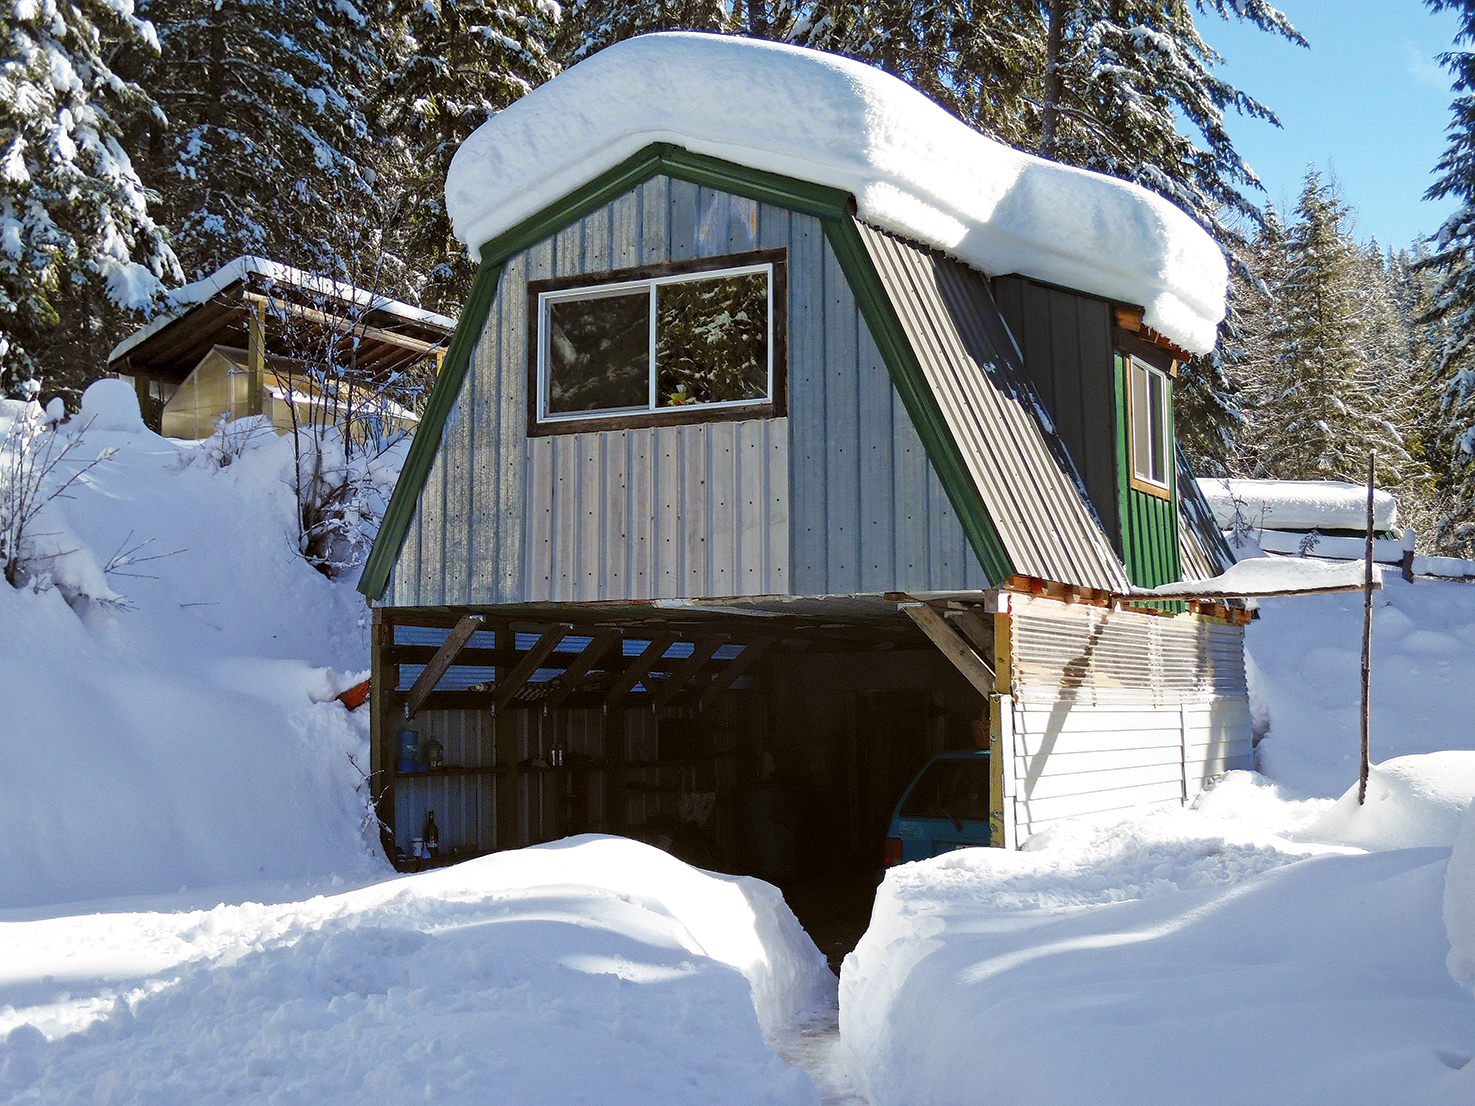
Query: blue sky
point(1367, 100)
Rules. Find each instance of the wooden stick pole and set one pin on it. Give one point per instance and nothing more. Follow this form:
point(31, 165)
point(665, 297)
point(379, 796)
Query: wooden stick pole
point(1367, 630)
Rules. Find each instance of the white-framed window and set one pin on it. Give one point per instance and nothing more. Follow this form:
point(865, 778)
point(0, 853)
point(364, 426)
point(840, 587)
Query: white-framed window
point(1149, 441)
point(679, 343)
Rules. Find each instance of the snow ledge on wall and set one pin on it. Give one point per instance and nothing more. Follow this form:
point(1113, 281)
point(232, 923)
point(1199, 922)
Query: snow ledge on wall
point(912, 167)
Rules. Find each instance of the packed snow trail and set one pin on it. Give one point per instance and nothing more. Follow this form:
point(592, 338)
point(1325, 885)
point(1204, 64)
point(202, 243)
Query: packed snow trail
point(592, 970)
point(813, 1044)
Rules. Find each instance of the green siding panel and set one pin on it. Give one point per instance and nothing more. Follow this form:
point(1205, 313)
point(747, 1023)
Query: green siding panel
point(1149, 523)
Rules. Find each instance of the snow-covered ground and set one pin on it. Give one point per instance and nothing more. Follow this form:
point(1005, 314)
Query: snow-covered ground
point(591, 970)
point(191, 910)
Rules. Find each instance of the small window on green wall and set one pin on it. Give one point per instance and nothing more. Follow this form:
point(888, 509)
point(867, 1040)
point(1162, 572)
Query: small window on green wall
point(1149, 391)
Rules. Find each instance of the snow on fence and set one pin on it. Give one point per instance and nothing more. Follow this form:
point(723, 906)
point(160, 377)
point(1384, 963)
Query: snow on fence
point(1386, 551)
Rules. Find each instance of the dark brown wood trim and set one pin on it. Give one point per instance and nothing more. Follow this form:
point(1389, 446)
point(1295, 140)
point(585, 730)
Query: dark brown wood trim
point(1156, 356)
point(775, 407)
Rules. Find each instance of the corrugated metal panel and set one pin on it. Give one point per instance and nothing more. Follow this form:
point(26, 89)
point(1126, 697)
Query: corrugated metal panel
point(848, 502)
point(1028, 485)
point(662, 512)
point(1204, 553)
point(1103, 657)
point(1150, 528)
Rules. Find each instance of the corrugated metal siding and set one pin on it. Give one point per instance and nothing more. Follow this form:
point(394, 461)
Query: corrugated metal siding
point(658, 512)
point(845, 502)
point(1026, 480)
point(1114, 709)
point(1202, 548)
point(1067, 346)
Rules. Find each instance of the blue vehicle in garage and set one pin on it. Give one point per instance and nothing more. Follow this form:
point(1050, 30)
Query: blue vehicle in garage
point(945, 808)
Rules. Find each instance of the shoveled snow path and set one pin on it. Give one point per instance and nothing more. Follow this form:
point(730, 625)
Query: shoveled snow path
point(814, 1045)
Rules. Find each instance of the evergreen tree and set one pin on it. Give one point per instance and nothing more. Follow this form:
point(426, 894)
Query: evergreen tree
point(1332, 358)
point(455, 64)
point(1451, 442)
point(78, 246)
point(263, 147)
point(588, 26)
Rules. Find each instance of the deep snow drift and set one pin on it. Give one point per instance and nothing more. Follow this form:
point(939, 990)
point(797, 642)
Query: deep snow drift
point(1305, 680)
point(590, 970)
point(1212, 956)
point(175, 725)
point(912, 167)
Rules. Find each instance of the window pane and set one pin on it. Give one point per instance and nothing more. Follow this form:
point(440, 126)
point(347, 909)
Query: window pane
point(951, 789)
point(1141, 424)
point(599, 353)
point(712, 340)
point(1158, 410)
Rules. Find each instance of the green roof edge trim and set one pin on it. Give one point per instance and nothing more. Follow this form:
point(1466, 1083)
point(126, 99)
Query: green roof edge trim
point(916, 396)
point(832, 206)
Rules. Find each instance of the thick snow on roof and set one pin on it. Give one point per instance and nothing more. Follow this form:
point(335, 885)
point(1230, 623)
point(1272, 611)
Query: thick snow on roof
point(197, 292)
point(912, 167)
point(1258, 576)
point(1298, 504)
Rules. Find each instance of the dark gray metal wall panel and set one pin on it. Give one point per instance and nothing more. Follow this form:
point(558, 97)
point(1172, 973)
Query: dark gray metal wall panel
point(837, 498)
point(1027, 483)
point(1066, 344)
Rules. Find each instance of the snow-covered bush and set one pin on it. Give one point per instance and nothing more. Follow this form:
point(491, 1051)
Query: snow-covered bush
point(38, 463)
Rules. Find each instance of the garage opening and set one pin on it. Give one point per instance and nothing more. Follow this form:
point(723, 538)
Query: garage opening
point(771, 740)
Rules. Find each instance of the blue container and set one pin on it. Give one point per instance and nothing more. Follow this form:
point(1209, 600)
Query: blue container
point(409, 745)
point(409, 764)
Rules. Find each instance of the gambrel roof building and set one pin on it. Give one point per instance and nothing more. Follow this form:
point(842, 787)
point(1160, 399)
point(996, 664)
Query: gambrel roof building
point(792, 432)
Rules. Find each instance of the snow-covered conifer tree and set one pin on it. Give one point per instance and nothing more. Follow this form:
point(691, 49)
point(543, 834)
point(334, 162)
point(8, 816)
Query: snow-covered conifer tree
point(264, 147)
point(588, 26)
point(1328, 385)
point(77, 242)
point(1452, 443)
point(454, 64)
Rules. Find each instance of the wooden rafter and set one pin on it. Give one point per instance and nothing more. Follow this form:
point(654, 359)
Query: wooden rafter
point(444, 656)
point(513, 682)
point(701, 653)
point(588, 657)
point(752, 653)
point(338, 323)
point(953, 646)
point(639, 668)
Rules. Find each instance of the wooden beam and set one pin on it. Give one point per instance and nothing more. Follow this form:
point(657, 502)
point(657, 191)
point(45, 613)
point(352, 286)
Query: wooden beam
point(953, 646)
point(978, 631)
point(752, 653)
point(256, 359)
point(340, 324)
point(512, 683)
point(639, 668)
point(701, 653)
point(579, 668)
point(444, 656)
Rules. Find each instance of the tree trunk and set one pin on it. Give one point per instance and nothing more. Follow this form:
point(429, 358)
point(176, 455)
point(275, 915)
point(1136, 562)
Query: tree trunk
point(1054, 83)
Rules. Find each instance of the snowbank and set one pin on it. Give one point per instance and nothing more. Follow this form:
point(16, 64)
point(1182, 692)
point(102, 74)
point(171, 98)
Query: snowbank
point(1298, 504)
point(1459, 903)
point(1306, 654)
point(1261, 576)
point(912, 167)
point(508, 979)
point(173, 725)
point(1143, 962)
point(1412, 802)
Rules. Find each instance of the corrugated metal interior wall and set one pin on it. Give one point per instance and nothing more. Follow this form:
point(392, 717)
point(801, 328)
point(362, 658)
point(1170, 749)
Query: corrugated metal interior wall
point(1112, 709)
point(846, 496)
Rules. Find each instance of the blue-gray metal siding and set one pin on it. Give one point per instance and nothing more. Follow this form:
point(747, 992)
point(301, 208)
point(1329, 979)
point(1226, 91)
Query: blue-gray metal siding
point(846, 498)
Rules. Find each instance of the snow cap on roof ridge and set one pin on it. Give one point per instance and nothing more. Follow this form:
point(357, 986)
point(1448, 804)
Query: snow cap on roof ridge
point(912, 167)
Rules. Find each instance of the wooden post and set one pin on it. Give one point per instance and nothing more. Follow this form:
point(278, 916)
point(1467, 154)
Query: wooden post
point(1367, 630)
point(383, 733)
point(256, 357)
point(504, 738)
